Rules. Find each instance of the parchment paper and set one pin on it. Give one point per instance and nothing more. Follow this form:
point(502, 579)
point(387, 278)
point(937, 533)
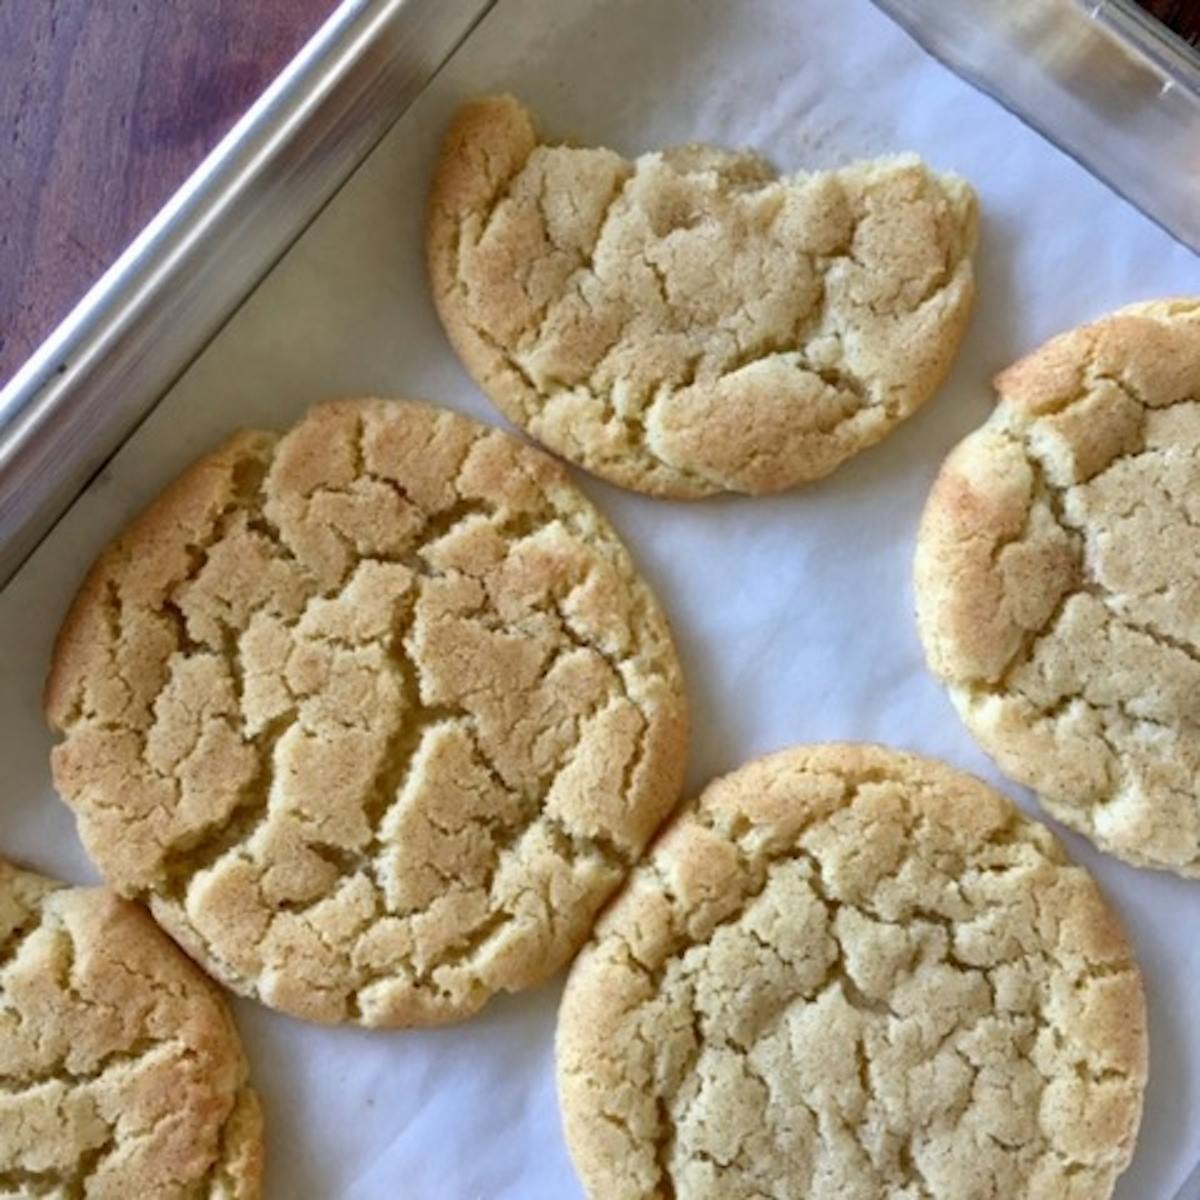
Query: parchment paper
point(793, 614)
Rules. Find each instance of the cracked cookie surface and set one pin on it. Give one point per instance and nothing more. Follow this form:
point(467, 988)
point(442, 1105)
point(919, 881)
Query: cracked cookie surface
point(689, 322)
point(121, 1074)
point(1058, 581)
point(374, 715)
point(844, 973)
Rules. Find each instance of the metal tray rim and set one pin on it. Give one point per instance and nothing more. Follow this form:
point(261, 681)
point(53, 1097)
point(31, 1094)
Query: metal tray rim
point(97, 375)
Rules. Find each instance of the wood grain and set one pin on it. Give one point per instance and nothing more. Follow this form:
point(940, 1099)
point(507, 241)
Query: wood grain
point(105, 107)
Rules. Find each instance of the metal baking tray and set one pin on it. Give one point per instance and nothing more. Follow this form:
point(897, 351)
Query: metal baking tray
point(84, 392)
point(90, 383)
point(1103, 80)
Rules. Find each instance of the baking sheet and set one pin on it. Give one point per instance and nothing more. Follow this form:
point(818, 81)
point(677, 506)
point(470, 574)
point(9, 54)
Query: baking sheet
point(793, 614)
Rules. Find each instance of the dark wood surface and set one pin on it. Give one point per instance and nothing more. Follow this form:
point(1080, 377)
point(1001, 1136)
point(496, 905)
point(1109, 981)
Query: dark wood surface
point(1183, 16)
point(106, 105)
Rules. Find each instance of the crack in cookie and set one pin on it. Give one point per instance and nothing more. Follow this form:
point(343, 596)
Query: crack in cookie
point(1058, 581)
point(850, 971)
point(120, 1070)
point(374, 716)
point(690, 323)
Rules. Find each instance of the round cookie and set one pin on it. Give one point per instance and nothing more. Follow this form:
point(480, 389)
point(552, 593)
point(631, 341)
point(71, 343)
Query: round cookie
point(123, 1073)
point(1058, 581)
point(846, 971)
point(689, 322)
point(374, 715)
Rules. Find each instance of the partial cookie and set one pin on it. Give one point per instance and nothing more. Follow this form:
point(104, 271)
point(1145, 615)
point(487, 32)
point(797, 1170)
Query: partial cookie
point(124, 1078)
point(689, 322)
point(374, 715)
point(1058, 581)
point(846, 971)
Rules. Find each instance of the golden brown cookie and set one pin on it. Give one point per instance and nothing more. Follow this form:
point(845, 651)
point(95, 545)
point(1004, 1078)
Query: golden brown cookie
point(689, 322)
point(374, 715)
point(123, 1076)
point(1058, 581)
point(850, 972)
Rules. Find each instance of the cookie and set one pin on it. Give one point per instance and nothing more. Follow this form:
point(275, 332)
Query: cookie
point(846, 971)
point(123, 1075)
point(689, 322)
point(1058, 581)
point(374, 716)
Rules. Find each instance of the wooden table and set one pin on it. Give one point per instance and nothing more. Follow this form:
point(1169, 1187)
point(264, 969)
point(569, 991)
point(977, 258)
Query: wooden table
point(106, 105)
